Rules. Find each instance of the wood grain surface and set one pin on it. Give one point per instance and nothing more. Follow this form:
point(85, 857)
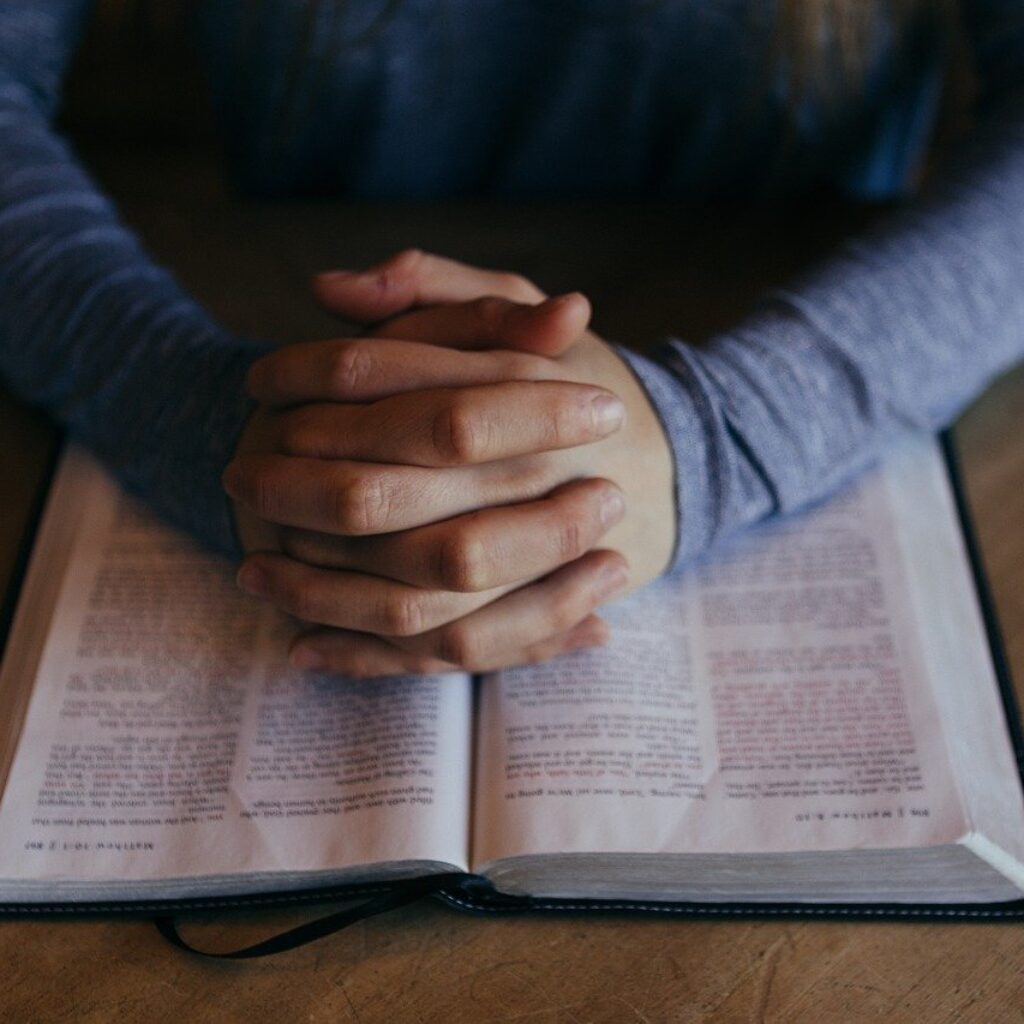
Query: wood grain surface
point(649, 270)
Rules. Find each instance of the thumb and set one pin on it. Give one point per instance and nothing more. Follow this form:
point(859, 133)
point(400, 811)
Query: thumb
point(547, 329)
point(410, 279)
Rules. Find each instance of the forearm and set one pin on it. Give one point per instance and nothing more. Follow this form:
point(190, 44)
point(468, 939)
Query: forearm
point(900, 328)
point(90, 328)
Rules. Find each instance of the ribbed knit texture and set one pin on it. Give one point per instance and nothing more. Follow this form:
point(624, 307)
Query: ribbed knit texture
point(902, 327)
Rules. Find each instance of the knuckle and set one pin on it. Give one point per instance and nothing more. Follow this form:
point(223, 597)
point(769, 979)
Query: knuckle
point(352, 367)
point(570, 539)
point(260, 490)
point(361, 504)
point(402, 614)
point(459, 433)
point(463, 563)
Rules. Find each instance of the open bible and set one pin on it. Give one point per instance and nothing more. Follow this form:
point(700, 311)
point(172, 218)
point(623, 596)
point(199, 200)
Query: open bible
point(811, 715)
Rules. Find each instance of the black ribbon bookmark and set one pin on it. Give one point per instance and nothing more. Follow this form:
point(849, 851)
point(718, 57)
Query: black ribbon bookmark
point(402, 894)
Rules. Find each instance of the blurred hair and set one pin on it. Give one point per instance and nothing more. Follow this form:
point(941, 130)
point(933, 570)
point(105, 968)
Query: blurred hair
point(820, 50)
point(823, 48)
point(816, 43)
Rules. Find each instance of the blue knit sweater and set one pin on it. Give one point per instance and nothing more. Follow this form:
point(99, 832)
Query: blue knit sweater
point(580, 97)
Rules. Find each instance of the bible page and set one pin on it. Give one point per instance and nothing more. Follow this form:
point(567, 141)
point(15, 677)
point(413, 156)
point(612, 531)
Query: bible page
point(167, 740)
point(777, 698)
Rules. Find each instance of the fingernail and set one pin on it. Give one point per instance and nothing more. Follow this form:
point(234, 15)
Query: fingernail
point(586, 636)
point(309, 659)
point(613, 507)
point(607, 414)
point(330, 276)
point(540, 310)
point(253, 580)
point(612, 578)
point(568, 299)
point(551, 305)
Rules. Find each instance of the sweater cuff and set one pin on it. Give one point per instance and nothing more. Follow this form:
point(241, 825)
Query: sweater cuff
point(684, 414)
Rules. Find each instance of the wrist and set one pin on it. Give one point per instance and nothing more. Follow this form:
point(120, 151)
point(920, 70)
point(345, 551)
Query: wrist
point(639, 459)
point(693, 503)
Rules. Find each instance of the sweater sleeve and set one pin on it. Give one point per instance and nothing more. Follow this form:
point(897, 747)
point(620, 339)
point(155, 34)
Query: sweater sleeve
point(91, 329)
point(900, 328)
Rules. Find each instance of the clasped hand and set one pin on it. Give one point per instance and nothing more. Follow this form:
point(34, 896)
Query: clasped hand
point(459, 488)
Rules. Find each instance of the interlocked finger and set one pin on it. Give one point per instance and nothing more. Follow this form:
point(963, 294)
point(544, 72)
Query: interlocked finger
point(454, 427)
point(415, 278)
point(360, 656)
point(491, 636)
point(479, 551)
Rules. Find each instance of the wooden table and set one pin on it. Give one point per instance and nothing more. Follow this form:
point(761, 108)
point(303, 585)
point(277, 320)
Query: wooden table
point(649, 270)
